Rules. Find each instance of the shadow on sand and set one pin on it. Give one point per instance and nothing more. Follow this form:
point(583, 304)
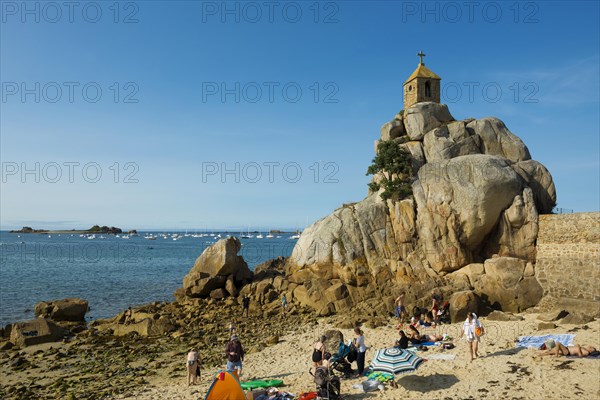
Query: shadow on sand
point(429, 383)
point(507, 352)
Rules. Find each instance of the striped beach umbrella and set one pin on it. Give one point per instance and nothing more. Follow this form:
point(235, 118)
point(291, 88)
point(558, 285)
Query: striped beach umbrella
point(395, 361)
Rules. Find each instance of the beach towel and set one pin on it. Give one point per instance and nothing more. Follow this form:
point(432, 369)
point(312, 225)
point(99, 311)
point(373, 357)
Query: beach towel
point(425, 344)
point(380, 376)
point(536, 342)
point(441, 356)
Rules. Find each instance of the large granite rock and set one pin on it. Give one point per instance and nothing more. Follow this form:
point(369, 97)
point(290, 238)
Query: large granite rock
point(147, 326)
point(72, 309)
point(449, 141)
point(393, 129)
point(497, 140)
point(218, 267)
point(36, 331)
point(505, 287)
point(540, 181)
point(459, 202)
point(517, 230)
point(462, 303)
point(423, 117)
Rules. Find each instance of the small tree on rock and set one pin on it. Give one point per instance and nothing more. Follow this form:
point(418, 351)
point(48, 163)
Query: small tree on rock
point(394, 163)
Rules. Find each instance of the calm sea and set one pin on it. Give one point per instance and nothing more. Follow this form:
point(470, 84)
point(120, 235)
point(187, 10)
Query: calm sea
point(110, 272)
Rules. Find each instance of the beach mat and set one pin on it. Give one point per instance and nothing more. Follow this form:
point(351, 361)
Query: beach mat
point(536, 342)
point(259, 384)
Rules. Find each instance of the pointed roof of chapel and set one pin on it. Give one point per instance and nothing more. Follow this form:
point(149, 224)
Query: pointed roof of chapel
point(422, 72)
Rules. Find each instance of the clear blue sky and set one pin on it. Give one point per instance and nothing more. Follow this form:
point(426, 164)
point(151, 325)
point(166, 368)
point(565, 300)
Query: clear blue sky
point(173, 58)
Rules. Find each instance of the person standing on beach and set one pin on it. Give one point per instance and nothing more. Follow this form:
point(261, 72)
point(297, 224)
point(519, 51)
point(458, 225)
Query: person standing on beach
point(359, 342)
point(436, 300)
point(232, 326)
point(235, 354)
point(192, 362)
point(284, 304)
point(319, 351)
point(400, 308)
point(469, 330)
point(245, 305)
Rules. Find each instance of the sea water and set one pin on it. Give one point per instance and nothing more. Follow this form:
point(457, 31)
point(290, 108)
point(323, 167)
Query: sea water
point(111, 272)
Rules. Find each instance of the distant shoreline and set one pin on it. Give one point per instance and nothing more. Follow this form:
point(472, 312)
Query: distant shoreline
point(86, 231)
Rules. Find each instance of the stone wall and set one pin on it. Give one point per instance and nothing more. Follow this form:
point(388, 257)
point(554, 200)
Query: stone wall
point(414, 91)
point(568, 262)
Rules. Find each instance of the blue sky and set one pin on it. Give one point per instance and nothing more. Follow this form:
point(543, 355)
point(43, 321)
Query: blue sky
point(191, 89)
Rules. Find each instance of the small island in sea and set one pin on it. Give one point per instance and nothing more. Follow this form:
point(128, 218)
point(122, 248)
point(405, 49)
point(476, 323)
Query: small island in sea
point(94, 229)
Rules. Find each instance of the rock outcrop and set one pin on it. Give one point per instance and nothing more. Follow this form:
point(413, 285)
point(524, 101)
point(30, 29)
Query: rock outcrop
point(72, 310)
point(35, 331)
point(218, 272)
point(470, 226)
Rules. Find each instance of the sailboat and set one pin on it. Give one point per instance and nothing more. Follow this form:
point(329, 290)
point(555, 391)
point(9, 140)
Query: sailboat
point(247, 235)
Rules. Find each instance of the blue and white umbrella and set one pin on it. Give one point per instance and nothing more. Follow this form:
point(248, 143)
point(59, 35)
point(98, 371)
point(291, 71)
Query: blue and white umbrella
point(395, 361)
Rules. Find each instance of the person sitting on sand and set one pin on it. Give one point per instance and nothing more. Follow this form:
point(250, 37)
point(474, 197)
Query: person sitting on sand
point(235, 355)
point(128, 316)
point(191, 364)
point(403, 341)
point(319, 351)
point(416, 338)
point(426, 321)
point(576, 350)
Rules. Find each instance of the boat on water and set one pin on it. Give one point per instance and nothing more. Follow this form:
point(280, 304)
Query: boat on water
point(259, 236)
point(150, 237)
point(295, 237)
point(269, 236)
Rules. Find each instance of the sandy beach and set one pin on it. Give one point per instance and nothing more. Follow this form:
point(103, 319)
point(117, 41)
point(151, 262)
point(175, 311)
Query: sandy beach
point(503, 371)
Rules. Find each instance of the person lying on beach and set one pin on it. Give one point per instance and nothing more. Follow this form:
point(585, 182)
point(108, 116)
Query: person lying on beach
point(416, 338)
point(561, 350)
